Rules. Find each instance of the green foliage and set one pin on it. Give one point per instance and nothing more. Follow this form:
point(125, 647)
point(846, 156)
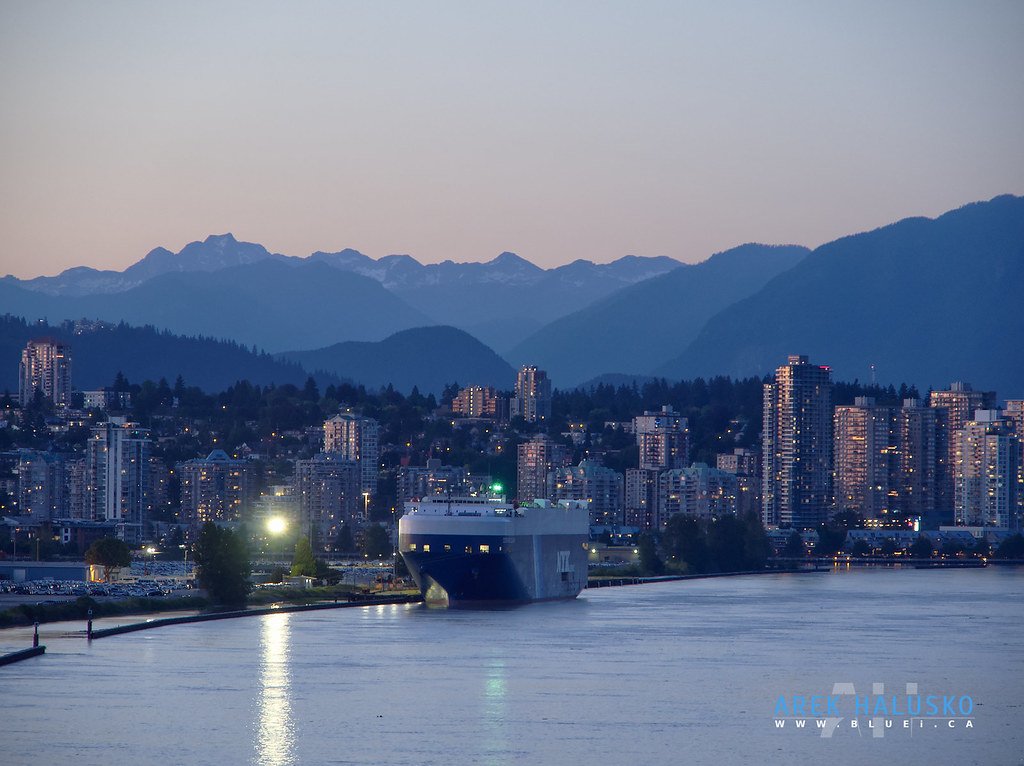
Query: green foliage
point(921, 548)
point(861, 548)
point(222, 562)
point(650, 562)
point(376, 543)
point(725, 544)
point(794, 546)
point(345, 543)
point(304, 562)
point(324, 572)
point(109, 553)
point(684, 540)
point(830, 540)
point(1011, 548)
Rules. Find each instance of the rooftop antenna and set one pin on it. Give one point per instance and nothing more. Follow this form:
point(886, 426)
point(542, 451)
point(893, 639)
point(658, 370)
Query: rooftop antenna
point(872, 375)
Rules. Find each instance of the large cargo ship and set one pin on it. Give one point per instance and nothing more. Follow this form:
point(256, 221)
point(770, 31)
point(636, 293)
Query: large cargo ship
point(483, 551)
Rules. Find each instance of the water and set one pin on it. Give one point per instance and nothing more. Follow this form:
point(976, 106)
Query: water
point(670, 673)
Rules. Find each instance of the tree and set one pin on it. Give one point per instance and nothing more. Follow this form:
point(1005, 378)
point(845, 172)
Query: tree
point(921, 548)
point(304, 562)
point(109, 553)
point(756, 546)
point(1011, 548)
point(685, 541)
point(650, 563)
point(794, 546)
point(725, 540)
point(830, 540)
point(981, 548)
point(345, 543)
point(222, 563)
point(376, 543)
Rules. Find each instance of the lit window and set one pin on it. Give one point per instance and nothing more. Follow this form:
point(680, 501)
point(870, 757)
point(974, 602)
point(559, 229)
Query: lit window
point(426, 547)
point(412, 546)
point(485, 549)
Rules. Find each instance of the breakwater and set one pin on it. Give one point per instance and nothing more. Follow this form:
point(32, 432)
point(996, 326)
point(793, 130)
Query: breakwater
point(611, 582)
point(24, 654)
point(274, 609)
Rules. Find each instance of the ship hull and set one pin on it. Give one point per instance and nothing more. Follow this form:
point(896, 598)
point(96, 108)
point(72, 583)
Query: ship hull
point(472, 563)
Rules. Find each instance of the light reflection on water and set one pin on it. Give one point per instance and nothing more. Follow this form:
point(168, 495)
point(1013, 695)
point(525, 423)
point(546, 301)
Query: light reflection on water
point(275, 741)
point(496, 745)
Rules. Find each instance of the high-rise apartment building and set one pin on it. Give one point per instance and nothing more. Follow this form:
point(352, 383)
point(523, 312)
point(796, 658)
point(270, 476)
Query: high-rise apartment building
point(917, 434)
point(641, 497)
point(537, 458)
point(663, 438)
point(987, 472)
point(532, 398)
point(117, 459)
point(431, 479)
point(328, 494)
point(215, 488)
point(955, 408)
point(599, 487)
point(745, 465)
point(700, 491)
point(354, 437)
point(45, 366)
point(866, 459)
point(42, 485)
point(1014, 412)
point(480, 402)
point(797, 445)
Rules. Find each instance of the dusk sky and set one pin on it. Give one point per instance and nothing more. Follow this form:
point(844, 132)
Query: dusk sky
point(556, 130)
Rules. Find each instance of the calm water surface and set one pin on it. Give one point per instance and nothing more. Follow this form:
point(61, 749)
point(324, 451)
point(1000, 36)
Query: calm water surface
point(685, 672)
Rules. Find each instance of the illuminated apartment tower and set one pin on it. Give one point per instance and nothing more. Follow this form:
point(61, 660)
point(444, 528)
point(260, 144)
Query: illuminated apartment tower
point(699, 491)
point(42, 485)
point(916, 437)
point(328, 495)
point(955, 408)
point(797, 445)
point(865, 454)
point(1014, 412)
point(745, 465)
point(117, 460)
point(480, 402)
point(215, 488)
point(537, 458)
point(663, 438)
point(353, 437)
point(987, 475)
point(46, 366)
point(532, 398)
point(601, 488)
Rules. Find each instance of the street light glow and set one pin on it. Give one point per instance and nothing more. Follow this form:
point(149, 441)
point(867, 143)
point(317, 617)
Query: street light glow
point(276, 525)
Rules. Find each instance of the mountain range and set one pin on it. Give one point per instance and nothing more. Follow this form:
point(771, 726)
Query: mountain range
point(924, 301)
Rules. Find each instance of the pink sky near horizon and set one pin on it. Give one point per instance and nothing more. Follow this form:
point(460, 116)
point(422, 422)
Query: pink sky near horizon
point(460, 130)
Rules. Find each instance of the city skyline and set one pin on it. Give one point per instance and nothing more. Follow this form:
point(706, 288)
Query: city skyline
point(458, 132)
